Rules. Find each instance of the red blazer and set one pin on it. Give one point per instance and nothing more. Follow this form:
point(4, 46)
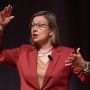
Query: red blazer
point(57, 75)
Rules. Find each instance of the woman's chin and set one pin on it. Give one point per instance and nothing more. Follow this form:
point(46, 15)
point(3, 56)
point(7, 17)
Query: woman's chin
point(35, 40)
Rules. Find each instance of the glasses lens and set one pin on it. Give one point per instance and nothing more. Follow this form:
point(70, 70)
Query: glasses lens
point(39, 25)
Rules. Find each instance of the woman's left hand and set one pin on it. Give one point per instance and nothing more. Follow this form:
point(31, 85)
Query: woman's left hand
point(76, 59)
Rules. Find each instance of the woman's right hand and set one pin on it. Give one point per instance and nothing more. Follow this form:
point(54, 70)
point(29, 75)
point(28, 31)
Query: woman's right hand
point(5, 16)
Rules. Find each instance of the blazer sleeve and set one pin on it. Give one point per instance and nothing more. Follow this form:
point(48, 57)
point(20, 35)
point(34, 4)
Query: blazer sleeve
point(84, 77)
point(8, 55)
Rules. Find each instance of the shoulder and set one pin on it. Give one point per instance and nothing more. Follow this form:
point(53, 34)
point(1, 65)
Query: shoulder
point(65, 49)
point(27, 47)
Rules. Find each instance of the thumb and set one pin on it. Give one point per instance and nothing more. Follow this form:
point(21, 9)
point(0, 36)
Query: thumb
point(78, 50)
point(11, 17)
point(8, 19)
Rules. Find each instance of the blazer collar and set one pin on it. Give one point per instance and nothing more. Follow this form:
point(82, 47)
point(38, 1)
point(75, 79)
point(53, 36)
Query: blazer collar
point(55, 55)
point(33, 58)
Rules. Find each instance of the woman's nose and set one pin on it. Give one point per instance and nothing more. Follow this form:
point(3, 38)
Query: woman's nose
point(34, 29)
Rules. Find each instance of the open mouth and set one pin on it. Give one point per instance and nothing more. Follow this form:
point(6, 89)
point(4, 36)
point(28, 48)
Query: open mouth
point(34, 35)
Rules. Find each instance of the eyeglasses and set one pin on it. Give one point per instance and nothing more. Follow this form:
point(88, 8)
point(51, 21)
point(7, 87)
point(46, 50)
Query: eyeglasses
point(39, 25)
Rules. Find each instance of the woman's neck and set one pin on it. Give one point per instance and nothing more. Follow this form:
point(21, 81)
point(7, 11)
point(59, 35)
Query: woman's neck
point(45, 48)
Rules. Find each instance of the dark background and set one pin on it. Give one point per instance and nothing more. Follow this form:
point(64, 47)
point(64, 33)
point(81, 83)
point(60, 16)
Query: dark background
point(73, 22)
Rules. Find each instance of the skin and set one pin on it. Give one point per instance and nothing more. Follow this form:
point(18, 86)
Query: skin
point(41, 37)
point(5, 16)
point(76, 59)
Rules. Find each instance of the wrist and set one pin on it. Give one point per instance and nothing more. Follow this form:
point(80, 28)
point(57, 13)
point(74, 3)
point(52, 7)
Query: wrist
point(86, 67)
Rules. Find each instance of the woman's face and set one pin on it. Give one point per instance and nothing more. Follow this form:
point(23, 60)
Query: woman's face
point(40, 30)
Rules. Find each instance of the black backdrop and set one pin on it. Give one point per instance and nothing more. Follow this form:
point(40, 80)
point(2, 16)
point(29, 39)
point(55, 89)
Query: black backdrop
point(73, 22)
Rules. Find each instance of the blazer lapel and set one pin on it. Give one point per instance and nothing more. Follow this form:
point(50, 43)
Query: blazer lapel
point(55, 55)
point(33, 57)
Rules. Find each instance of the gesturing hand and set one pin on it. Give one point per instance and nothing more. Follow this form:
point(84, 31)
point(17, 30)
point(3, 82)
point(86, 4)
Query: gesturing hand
point(5, 15)
point(76, 59)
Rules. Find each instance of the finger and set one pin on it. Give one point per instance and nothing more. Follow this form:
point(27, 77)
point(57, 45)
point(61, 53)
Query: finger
point(5, 12)
point(1, 16)
point(78, 50)
point(9, 10)
point(8, 20)
point(68, 61)
point(11, 17)
point(68, 64)
point(73, 56)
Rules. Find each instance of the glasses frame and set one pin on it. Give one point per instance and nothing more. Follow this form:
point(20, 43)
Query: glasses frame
point(39, 25)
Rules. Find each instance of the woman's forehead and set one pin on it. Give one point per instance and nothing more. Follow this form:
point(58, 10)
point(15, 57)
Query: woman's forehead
point(40, 19)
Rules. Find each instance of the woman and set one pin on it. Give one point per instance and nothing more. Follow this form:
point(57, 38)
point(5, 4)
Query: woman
point(43, 65)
